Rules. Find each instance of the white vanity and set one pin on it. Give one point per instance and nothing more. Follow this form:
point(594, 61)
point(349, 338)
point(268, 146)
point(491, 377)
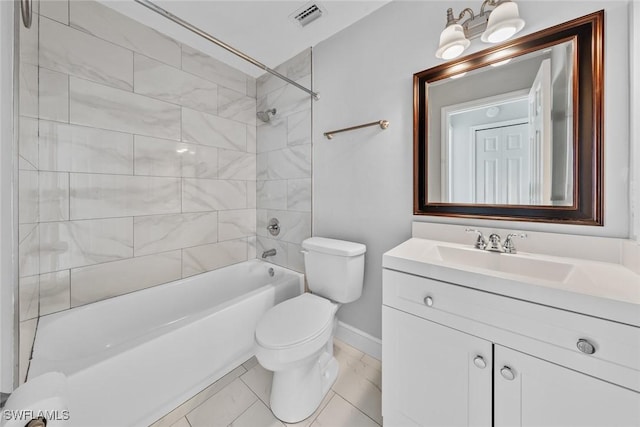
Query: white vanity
point(472, 337)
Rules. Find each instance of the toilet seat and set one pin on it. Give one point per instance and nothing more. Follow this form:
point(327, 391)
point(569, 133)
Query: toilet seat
point(295, 322)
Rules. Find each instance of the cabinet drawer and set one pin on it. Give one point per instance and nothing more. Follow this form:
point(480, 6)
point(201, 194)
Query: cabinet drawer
point(545, 332)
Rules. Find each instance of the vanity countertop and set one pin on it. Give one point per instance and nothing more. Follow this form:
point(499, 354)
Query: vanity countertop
point(601, 289)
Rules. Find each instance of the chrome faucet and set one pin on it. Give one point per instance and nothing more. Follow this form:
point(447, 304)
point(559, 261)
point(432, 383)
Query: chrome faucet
point(508, 246)
point(494, 243)
point(270, 252)
point(481, 243)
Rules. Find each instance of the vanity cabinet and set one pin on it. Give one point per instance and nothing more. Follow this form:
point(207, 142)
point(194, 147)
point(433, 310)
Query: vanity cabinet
point(453, 393)
point(535, 392)
point(456, 356)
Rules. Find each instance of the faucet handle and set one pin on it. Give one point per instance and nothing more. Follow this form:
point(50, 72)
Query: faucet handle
point(274, 226)
point(508, 246)
point(481, 243)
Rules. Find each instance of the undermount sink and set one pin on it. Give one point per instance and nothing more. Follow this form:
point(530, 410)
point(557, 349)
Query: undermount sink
point(522, 265)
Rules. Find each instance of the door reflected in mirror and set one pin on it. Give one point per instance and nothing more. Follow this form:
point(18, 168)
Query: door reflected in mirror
point(506, 132)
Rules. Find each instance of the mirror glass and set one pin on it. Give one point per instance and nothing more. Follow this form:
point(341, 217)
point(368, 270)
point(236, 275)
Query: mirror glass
point(505, 132)
point(514, 132)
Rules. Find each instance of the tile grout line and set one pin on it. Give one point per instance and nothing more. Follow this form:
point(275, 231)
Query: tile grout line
point(353, 405)
point(149, 97)
point(107, 84)
point(205, 389)
point(323, 409)
point(199, 213)
point(152, 176)
point(88, 32)
point(258, 400)
point(136, 256)
point(69, 200)
point(68, 96)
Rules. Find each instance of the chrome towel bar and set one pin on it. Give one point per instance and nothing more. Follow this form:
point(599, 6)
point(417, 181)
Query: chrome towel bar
point(382, 123)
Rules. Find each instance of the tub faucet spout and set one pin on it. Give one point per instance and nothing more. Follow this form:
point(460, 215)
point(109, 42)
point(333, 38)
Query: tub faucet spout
point(270, 252)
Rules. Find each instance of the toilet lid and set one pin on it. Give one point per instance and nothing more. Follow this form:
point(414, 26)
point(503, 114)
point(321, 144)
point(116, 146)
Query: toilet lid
point(295, 321)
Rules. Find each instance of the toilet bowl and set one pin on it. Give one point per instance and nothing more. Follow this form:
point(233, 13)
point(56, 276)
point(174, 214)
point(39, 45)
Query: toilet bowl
point(294, 339)
point(294, 342)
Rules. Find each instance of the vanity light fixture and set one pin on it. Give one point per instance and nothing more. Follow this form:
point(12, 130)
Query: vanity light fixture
point(497, 21)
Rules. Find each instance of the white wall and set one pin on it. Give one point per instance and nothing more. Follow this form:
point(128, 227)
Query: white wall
point(363, 186)
point(6, 198)
point(634, 26)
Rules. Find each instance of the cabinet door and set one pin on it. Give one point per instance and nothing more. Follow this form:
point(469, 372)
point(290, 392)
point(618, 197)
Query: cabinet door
point(542, 393)
point(429, 374)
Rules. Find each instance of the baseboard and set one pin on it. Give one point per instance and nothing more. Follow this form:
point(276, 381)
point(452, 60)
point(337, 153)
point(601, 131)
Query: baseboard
point(360, 340)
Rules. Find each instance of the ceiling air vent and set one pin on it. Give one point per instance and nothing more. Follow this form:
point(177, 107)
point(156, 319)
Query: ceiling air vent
point(307, 13)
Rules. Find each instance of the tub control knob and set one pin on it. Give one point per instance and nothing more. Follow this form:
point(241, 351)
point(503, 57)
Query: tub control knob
point(274, 226)
point(585, 346)
point(479, 362)
point(428, 301)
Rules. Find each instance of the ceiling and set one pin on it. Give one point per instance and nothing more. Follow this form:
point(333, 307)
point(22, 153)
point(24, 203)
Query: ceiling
point(261, 29)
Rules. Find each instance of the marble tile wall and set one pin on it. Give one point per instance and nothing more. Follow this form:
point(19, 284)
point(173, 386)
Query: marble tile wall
point(283, 166)
point(29, 193)
point(137, 160)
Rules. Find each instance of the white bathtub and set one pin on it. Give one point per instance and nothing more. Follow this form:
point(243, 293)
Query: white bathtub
point(131, 359)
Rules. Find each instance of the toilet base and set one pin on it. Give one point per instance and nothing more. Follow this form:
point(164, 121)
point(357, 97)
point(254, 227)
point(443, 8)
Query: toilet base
point(297, 393)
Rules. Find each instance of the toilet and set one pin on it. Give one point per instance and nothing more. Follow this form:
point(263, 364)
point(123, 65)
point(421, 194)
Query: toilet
point(295, 338)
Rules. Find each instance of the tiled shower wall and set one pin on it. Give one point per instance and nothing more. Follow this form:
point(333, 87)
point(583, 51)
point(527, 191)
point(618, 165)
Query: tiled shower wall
point(284, 162)
point(28, 190)
point(137, 160)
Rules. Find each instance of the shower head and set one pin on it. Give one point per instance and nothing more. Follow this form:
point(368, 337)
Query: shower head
point(265, 116)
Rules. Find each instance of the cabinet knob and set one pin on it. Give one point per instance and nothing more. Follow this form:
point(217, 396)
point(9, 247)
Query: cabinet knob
point(479, 362)
point(428, 301)
point(507, 373)
point(585, 346)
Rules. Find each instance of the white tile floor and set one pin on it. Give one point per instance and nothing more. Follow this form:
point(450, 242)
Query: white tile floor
point(241, 398)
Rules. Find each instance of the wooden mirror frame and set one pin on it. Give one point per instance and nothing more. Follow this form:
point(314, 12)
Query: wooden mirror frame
point(587, 208)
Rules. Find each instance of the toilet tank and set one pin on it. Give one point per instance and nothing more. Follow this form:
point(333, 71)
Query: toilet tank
point(334, 268)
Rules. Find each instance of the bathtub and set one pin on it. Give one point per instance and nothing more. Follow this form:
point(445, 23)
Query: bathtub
point(131, 359)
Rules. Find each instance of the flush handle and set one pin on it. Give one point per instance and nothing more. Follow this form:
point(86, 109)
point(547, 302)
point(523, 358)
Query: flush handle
point(585, 346)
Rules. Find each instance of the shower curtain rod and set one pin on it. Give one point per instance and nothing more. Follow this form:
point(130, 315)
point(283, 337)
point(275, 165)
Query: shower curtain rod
point(150, 5)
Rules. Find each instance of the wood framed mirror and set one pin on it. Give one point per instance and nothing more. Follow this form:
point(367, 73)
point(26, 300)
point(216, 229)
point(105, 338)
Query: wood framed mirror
point(514, 132)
